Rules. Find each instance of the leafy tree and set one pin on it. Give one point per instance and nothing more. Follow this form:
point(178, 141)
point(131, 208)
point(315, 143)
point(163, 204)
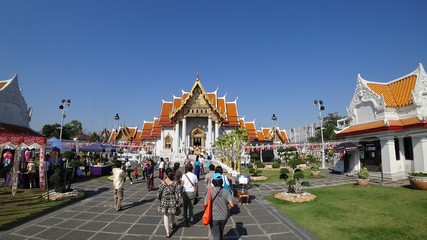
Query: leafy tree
point(329, 125)
point(70, 130)
point(51, 130)
point(94, 137)
point(74, 128)
point(230, 146)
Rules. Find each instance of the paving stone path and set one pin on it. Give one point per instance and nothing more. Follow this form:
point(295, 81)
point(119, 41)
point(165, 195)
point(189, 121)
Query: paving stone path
point(94, 217)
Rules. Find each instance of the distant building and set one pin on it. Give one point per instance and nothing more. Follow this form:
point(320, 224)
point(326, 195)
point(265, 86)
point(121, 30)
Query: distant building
point(387, 121)
point(13, 108)
point(15, 131)
point(190, 124)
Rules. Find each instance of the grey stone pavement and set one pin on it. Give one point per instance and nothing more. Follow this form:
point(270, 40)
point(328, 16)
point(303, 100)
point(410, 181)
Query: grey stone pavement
point(95, 218)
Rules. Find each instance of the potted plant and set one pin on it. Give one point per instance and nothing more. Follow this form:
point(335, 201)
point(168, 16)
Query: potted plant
point(418, 180)
point(315, 171)
point(363, 177)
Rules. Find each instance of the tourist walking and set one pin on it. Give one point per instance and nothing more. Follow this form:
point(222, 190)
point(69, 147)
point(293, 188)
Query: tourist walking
point(190, 191)
point(225, 181)
point(150, 175)
point(135, 172)
point(197, 167)
point(177, 174)
point(168, 194)
point(87, 165)
point(161, 168)
point(144, 169)
point(128, 167)
point(222, 202)
point(31, 171)
point(202, 164)
point(209, 175)
point(119, 177)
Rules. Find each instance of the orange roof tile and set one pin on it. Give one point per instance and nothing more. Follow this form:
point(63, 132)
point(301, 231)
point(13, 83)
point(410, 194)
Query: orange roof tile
point(381, 125)
point(146, 130)
point(221, 105)
point(157, 129)
point(176, 103)
point(260, 135)
point(138, 137)
point(2, 84)
point(283, 136)
point(265, 132)
point(233, 118)
point(184, 96)
point(397, 93)
point(250, 127)
point(212, 98)
point(164, 114)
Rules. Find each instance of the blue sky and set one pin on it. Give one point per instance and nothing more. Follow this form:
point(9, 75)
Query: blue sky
point(277, 57)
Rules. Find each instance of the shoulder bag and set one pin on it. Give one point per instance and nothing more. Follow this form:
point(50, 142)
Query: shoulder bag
point(207, 215)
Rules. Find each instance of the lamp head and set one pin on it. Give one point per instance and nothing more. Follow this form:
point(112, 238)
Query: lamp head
point(274, 118)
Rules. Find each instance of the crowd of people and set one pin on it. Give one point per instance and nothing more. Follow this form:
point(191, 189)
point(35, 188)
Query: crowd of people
point(177, 188)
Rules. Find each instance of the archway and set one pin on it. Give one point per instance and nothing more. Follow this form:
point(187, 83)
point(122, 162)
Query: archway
point(198, 138)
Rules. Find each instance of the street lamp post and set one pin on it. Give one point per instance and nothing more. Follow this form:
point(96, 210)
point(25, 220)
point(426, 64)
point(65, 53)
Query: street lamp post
point(65, 103)
point(117, 118)
point(274, 122)
point(320, 108)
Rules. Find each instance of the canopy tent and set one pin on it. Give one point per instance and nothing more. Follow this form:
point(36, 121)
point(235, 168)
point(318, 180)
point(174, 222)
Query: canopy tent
point(94, 147)
point(109, 147)
point(18, 137)
point(54, 144)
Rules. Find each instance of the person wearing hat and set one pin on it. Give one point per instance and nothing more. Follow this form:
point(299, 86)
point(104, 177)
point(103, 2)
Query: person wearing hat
point(119, 177)
point(31, 171)
point(222, 202)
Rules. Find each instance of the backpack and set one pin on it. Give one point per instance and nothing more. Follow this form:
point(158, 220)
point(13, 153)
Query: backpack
point(226, 183)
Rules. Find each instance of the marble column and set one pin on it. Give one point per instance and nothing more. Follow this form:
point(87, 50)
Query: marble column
point(184, 133)
point(176, 139)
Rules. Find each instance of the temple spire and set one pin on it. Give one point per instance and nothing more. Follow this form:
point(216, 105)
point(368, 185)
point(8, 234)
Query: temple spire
point(197, 76)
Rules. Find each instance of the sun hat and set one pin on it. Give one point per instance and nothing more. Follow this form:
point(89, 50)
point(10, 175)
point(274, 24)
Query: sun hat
point(217, 176)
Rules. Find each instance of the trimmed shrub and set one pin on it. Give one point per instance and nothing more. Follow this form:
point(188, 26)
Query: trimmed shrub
point(259, 164)
point(275, 165)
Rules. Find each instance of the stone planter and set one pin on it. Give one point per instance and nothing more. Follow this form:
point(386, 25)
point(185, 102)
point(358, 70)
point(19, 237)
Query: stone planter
point(362, 182)
point(418, 182)
point(315, 173)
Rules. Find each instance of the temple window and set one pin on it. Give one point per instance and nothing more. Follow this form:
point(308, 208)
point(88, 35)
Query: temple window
point(407, 146)
point(396, 148)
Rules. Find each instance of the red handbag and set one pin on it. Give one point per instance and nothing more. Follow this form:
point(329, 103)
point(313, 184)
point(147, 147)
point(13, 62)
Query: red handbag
point(207, 215)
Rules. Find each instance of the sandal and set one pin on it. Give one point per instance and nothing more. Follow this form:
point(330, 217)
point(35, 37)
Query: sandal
point(168, 235)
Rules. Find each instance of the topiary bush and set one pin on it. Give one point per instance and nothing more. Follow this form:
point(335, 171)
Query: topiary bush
point(259, 164)
point(275, 165)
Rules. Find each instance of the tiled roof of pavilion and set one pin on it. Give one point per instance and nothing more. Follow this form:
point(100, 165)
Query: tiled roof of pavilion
point(397, 93)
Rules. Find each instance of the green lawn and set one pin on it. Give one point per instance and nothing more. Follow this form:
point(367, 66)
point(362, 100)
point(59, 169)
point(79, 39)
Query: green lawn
point(26, 204)
point(348, 212)
point(274, 174)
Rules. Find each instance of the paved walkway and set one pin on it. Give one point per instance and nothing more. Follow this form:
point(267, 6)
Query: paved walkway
point(95, 218)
